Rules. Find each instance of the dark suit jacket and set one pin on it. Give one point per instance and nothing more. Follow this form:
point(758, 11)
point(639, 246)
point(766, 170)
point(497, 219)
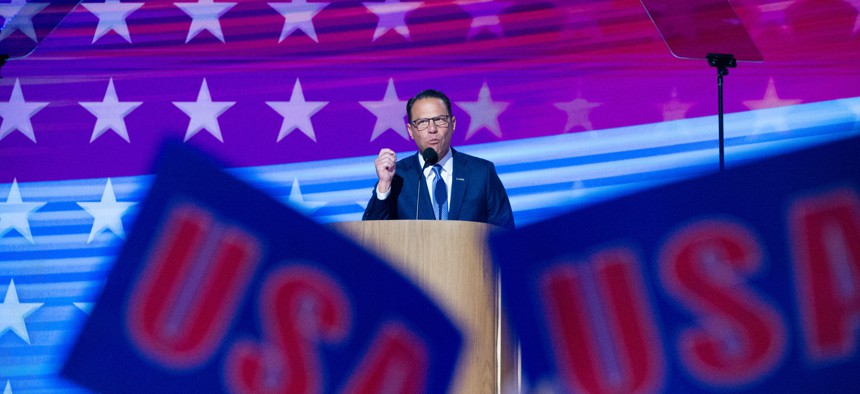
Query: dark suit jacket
point(477, 193)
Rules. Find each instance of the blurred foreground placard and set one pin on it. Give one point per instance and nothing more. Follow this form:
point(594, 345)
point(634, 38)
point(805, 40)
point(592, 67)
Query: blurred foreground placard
point(220, 288)
point(743, 281)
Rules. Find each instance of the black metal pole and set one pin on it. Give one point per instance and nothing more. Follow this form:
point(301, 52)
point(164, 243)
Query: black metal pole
point(722, 62)
point(720, 117)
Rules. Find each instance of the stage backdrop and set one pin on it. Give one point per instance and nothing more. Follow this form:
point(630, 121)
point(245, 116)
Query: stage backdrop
point(575, 101)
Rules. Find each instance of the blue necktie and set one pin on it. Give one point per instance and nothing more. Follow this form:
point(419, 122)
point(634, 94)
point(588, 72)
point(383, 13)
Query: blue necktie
point(440, 194)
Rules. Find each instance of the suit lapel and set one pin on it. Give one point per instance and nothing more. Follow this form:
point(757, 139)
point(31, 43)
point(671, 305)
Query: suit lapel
point(459, 180)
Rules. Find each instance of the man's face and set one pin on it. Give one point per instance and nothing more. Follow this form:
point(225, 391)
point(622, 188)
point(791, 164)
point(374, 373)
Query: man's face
point(428, 134)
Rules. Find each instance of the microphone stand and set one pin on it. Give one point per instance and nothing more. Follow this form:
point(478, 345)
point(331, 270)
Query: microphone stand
point(420, 181)
point(430, 158)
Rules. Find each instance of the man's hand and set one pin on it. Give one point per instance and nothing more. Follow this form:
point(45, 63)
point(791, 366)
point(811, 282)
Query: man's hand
point(386, 163)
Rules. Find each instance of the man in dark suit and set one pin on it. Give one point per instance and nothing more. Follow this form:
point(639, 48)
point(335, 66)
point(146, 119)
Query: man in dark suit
point(470, 184)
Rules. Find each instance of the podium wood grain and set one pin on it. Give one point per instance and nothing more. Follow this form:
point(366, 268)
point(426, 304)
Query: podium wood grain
point(451, 262)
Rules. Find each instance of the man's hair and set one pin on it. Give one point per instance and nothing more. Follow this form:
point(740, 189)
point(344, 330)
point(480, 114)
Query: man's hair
point(429, 93)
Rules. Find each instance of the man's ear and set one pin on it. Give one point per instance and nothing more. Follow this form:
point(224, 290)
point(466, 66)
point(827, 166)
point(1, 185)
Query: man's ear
point(409, 130)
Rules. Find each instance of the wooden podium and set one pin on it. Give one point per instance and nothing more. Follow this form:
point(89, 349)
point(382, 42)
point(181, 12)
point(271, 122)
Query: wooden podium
point(450, 260)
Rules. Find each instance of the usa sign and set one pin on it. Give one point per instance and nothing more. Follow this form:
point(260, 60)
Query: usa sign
point(220, 288)
point(745, 281)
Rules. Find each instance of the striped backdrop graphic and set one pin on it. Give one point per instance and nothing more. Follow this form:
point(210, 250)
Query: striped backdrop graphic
point(576, 102)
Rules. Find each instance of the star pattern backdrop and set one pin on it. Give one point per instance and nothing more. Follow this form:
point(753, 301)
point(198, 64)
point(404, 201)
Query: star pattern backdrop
point(575, 101)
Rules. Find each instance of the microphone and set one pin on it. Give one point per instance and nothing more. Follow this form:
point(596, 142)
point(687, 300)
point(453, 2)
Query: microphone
point(430, 158)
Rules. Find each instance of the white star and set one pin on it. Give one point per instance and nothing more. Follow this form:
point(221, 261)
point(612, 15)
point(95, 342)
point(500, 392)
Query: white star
point(297, 113)
point(298, 201)
point(577, 112)
point(18, 15)
point(675, 109)
point(110, 113)
point(14, 213)
point(16, 114)
point(856, 5)
point(770, 99)
point(771, 119)
point(8, 389)
point(298, 15)
point(204, 113)
point(392, 16)
point(13, 313)
point(86, 307)
point(485, 15)
point(107, 213)
point(112, 16)
point(389, 113)
point(204, 16)
point(484, 112)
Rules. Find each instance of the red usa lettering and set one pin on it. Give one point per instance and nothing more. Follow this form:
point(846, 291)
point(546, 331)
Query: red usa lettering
point(197, 271)
point(194, 278)
point(301, 309)
point(600, 333)
point(397, 363)
point(825, 231)
point(738, 336)
point(635, 360)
